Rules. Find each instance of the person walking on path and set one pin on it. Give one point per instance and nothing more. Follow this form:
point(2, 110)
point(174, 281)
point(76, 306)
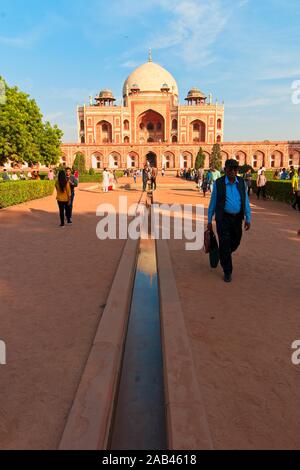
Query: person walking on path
point(63, 197)
point(73, 184)
point(296, 189)
point(204, 185)
point(209, 179)
point(115, 176)
point(200, 175)
point(153, 178)
point(105, 180)
point(215, 175)
point(261, 184)
point(248, 180)
point(230, 204)
point(145, 177)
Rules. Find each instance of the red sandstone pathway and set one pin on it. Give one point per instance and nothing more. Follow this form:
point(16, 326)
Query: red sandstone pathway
point(241, 334)
point(54, 283)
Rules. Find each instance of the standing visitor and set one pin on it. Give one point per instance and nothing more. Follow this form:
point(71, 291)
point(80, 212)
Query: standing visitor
point(230, 204)
point(200, 174)
point(248, 180)
point(63, 197)
point(5, 175)
point(73, 184)
point(215, 174)
point(292, 172)
point(145, 177)
point(153, 178)
point(105, 180)
point(209, 178)
point(261, 185)
point(284, 174)
point(134, 177)
point(204, 185)
point(163, 171)
point(50, 175)
point(115, 176)
point(296, 189)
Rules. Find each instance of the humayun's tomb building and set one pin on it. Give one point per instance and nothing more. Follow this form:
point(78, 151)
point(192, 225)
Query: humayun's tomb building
point(152, 126)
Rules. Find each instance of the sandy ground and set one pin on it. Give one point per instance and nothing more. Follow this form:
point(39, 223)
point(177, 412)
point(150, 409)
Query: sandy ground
point(54, 283)
point(241, 333)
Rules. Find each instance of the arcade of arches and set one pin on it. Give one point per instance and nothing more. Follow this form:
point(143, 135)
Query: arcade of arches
point(172, 158)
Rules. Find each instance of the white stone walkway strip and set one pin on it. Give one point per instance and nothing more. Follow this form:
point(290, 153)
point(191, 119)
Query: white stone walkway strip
point(89, 421)
point(187, 424)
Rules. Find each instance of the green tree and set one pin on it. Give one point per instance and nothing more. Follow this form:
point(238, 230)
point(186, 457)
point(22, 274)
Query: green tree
point(79, 163)
point(215, 158)
point(200, 159)
point(50, 144)
point(23, 136)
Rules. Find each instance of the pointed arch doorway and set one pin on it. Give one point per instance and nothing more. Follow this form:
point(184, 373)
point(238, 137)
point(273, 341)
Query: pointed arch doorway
point(151, 159)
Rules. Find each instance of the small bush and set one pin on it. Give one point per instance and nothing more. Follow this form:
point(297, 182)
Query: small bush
point(91, 171)
point(16, 192)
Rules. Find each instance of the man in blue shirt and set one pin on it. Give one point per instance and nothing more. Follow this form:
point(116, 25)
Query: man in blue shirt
point(230, 203)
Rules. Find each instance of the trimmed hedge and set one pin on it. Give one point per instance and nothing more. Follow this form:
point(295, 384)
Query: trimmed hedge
point(278, 190)
point(16, 192)
point(96, 178)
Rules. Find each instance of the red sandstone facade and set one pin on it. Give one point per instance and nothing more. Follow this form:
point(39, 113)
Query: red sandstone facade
point(151, 125)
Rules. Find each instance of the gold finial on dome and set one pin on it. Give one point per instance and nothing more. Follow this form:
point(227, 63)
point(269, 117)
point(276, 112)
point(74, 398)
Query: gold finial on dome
point(150, 55)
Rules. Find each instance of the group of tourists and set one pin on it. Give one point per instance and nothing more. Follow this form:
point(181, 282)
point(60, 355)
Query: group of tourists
point(21, 176)
point(110, 180)
point(284, 174)
point(149, 175)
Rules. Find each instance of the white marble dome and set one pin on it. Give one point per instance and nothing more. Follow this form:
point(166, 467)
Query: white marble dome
point(150, 77)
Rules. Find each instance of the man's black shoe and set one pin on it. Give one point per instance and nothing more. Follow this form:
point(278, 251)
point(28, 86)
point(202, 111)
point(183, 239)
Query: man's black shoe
point(227, 277)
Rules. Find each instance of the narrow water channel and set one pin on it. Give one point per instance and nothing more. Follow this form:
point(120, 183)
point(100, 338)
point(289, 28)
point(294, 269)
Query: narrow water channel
point(140, 422)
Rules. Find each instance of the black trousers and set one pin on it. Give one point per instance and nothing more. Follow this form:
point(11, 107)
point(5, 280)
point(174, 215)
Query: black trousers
point(64, 208)
point(153, 182)
point(259, 189)
point(71, 205)
point(144, 184)
point(296, 202)
point(230, 232)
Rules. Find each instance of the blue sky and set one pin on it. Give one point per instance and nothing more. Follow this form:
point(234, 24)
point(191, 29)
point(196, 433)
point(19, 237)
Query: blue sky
point(246, 52)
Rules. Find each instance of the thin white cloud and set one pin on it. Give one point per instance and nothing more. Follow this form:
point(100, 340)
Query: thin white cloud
point(256, 102)
point(193, 28)
point(130, 64)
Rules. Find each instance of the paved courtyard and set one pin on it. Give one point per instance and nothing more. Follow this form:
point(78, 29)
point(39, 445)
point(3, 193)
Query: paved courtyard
point(54, 285)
